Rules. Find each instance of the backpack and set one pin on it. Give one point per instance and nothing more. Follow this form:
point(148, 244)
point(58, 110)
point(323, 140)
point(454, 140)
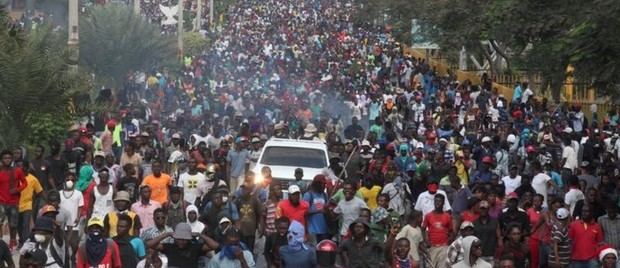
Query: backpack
point(129, 258)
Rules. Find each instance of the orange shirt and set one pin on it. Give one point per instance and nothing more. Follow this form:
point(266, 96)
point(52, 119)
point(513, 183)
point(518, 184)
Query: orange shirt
point(159, 186)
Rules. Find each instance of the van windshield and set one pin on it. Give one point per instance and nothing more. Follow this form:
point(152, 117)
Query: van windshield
point(298, 157)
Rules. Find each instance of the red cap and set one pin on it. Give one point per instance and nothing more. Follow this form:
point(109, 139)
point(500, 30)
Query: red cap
point(512, 195)
point(487, 160)
point(320, 178)
point(531, 149)
point(327, 245)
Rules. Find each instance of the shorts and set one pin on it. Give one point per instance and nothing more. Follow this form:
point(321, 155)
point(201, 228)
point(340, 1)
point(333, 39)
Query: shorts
point(9, 213)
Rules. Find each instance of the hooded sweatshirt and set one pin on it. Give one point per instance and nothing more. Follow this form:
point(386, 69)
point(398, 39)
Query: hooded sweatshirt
point(465, 263)
point(197, 226)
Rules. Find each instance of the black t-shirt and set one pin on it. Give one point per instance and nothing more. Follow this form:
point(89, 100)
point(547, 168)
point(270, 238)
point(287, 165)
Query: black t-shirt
point(57, 170)
point(5, 254)
point(183, 258)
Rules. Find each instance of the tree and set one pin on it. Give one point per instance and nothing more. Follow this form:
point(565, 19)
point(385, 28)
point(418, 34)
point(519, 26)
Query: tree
point(194, 43)
point(35, 83)
point(594, 45)
point(114, 42)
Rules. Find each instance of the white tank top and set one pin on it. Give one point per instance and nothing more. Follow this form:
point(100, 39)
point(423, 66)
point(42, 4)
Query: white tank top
point(103, 203)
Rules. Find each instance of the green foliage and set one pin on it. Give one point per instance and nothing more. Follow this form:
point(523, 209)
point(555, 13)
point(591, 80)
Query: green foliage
point(114, 42)
point(35, 82)
point(538, 36)
point(194, 43)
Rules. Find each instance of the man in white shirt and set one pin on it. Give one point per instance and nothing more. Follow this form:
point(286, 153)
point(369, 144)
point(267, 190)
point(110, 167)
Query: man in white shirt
point(574, 194)
point(541, 182)
point(527, 93)
point(513, 180)
point(426, 200)
point(192, 182)
point(569, 156)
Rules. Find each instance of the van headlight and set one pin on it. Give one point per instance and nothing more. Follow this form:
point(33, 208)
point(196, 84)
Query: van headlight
point(258, 179)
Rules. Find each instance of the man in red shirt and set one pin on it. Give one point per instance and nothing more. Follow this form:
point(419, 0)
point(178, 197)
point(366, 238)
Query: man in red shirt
point(585, 235)
point(437, 230)
point(12, 182)
point(294, 208)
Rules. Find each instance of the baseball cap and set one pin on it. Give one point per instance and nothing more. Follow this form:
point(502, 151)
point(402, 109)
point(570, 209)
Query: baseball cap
point(95, 221)
point(255, 139)
point(512, 195)
point(293, 189)
point(48, 209)
point(486, 139)
point(562, 213)
point(176, 136)
point(320, 178)
point(568, 130)
point(224, 219)
point(183, 231)
point(122, 196)
point(466, 224)
point(99, 153)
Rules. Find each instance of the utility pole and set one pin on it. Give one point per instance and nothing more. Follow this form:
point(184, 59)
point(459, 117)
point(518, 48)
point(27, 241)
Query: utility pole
point(198, 25)
point(74, 40)
point(180, 28)
point(211, 7)
point(136, 7)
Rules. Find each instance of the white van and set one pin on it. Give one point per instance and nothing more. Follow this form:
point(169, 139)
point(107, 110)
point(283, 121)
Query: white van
point(283, 156)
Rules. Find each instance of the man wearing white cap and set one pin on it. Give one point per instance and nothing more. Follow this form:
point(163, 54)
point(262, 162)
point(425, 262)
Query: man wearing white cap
point(294, 208)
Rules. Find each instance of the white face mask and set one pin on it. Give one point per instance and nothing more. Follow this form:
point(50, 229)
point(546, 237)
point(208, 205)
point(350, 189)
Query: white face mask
point(69, 184)
point(224, 199)
point(39, 238)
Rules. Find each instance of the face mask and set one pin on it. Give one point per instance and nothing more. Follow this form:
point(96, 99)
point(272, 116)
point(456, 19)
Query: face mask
point(224, 199)
point(69, 184)
point(39, 238)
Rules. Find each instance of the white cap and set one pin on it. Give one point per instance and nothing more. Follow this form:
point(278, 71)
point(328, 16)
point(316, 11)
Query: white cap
point(225, 219)
point(568, 130)
point(176, 136)
point(561, 213)
point(466, 224)
point(486, 139)
point(443, 139)
point(511, 138)
point(293, 189)
point(365, 143)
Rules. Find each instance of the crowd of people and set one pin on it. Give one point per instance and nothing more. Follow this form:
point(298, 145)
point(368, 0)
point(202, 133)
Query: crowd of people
point(424, 170)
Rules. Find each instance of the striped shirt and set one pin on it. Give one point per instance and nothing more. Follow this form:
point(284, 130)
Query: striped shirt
point(270, 219)
point(559, 234)
point(611, 229)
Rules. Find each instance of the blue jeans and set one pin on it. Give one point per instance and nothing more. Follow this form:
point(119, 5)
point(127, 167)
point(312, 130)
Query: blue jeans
point(583, 264)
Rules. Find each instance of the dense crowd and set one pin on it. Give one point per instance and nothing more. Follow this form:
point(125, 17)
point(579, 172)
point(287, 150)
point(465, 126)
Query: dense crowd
point(424, 170)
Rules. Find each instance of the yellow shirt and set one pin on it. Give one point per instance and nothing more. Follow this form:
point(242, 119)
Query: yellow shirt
point(370, 195)
point(461, 172)
point(159, 187)
point(25, 197)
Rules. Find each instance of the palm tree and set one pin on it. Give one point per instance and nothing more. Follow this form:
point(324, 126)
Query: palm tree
point(114, 41)
point(36, 87)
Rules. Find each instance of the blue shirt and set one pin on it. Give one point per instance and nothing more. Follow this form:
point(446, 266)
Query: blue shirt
point(316, 221)
point(237, 161)
point(305, 258)
point(138, 247)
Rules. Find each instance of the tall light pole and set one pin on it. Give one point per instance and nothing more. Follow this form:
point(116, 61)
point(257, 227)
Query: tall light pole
point(211, 7)
point(198, 25)
point(136, 7)
point(180, 28)
point(74, 40)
